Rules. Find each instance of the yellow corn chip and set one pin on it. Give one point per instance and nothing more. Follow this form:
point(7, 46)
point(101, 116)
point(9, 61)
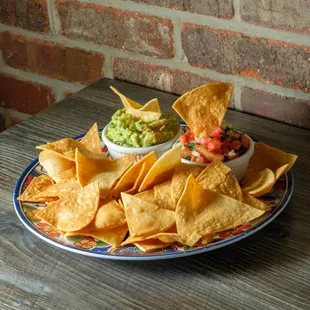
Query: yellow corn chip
point(97, 168)
point(179, 178)
point(35, 188)
point(200, 212)
point(128, 180)
point(219, 178)
point(163, 195)
point(73, 212)
point(204, 108)
point(253, 202)
point(145, 218)
point(163, 169)
point(92, 141)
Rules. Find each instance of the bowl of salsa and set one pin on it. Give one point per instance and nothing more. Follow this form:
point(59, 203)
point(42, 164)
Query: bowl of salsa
point(224, 143)
point(127, 134)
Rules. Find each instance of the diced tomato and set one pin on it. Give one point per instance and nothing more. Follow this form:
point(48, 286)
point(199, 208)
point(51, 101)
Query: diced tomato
point(193, 158)
point(200, 160)
point(218, 151)
point(235, 145)
point(207, 154)
point(225, 148)
point(183, 139)
point(245, 141)
point(214, 145)
point(186, 153)
point(215, 132)
point(205, 140)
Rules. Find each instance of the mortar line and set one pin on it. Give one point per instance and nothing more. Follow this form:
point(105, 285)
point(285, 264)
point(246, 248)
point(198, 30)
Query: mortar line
point(53, 17)
point(173, 64)
point(237, 98)
point(237, 15)
point(40, 79)
point(108, 65)
point(13, 113)
point(177, 44)
point(233, 24)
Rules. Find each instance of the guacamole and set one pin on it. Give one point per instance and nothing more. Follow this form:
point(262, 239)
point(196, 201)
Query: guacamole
point(127, 130)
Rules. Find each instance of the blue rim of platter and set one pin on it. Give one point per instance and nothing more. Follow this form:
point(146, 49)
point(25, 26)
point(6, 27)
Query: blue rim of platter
point(289, 181)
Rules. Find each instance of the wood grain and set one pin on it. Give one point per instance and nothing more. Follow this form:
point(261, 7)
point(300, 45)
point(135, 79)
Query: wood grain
point(269, 270)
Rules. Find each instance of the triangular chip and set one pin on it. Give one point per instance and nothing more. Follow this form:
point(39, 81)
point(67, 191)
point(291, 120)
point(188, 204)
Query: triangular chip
point(109, 215)
point(151, 245)
point(163, 195)
point(145, 218)
point(253, 202)
point(219, 178)
point(269, 157)
point(97, 168)
point(73, 212)
point(92, 141)
point(258, 183)
point(61, 189)
point(163, 169)
point(204, 108)
point(148, 195)
point(35, 188)
point(149, 112)
point(57, 167)
point(113, 236)
point(200, 212)
point(179, 178)
point(128, 180)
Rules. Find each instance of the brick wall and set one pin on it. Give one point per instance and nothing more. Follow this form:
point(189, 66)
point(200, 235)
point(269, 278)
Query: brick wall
point(52, 48)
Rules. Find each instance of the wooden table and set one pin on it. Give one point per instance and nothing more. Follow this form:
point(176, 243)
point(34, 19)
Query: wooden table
point(269, 270)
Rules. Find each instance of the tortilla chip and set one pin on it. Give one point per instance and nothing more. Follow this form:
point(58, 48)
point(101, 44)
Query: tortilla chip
point(73, 212)
point(163, 195)
point(57, 167)
point(129, 180)
point(201, 211)
point(179, 178)
point(253, 202)
point(219, 178)
point(149, 112)
point(61, 189)
point(97, 168)
point(109, 215)
point(113, 236)
point(258, 183)
point(148, 195)
point(163, 169)
point(269, 157)
point(35, 188)
point(92, 141)
point(204, 108)
point(151, 245)
point(145, 218)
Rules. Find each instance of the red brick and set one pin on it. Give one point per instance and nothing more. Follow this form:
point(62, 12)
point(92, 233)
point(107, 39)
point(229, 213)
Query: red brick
point(28, 14)
point(279, 14)
point(158, 77)
point(217, 8)
point(51, 59)
point(23, 96)
point(229, 52)
point(144, 34)
point(2, 123)
point(285, 109)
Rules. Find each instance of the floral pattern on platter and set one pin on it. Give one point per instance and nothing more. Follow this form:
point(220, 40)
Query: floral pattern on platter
point(279, 194)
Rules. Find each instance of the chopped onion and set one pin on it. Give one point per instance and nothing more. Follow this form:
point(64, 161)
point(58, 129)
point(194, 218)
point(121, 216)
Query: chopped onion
point(195, 153)
point(231, 153)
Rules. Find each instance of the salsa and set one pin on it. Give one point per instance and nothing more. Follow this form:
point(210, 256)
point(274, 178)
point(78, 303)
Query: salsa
point(130, 131)
point(223, 143)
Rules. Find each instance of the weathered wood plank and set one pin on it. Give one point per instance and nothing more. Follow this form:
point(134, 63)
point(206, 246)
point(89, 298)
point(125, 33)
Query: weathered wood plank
point(269, 270)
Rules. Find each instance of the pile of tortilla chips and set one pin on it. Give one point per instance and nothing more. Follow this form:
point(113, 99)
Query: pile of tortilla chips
point(152, 203)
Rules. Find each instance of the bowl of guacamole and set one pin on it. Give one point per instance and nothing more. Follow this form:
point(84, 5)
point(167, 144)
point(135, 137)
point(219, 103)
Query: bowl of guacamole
point(128, 134)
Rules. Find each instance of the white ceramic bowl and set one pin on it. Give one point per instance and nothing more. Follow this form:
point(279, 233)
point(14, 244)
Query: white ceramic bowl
point(238, 166)
point(117, 151)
